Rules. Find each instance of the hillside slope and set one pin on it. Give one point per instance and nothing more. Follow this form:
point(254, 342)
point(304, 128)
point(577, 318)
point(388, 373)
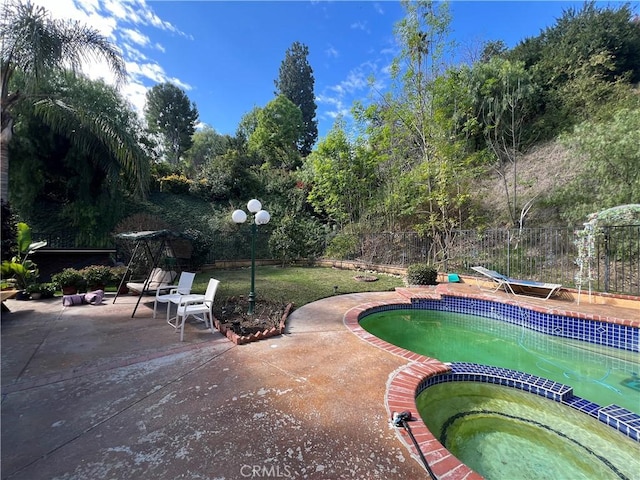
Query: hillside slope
point(540, 172)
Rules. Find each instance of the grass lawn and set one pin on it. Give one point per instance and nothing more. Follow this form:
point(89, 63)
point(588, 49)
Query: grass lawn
point(298, 285)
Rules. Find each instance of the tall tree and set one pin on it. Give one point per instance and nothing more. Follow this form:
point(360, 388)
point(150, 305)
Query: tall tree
point(503, 93)
point(206, 145)
point(67, 164)
point(296, 82)
point(277, 134)
point(39, 46)
point(171, 115)
point(342, 177)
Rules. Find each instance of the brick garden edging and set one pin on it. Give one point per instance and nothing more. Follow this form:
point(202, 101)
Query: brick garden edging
point(254, 337)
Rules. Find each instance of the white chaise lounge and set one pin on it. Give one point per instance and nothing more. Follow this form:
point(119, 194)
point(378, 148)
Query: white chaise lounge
point(519, 287)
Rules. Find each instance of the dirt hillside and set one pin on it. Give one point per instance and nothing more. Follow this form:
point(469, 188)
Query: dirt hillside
point(542, 170)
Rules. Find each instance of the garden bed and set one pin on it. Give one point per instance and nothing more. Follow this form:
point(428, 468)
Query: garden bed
point(268, 320)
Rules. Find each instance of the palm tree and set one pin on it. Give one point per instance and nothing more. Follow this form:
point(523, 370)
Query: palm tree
point(39, 46)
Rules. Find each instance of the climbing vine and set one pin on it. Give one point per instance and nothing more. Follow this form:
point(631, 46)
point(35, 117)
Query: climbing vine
point(585, 239)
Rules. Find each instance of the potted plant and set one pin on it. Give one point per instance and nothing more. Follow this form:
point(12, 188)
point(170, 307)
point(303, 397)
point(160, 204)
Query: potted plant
point(96, 276)
point(116, 277)
point(47, 290)
point(33, 290)
point(68, 280)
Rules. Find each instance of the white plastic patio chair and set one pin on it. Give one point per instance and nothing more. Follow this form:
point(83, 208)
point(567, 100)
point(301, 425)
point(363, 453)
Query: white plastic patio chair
point(170, 293)
point(198, 306)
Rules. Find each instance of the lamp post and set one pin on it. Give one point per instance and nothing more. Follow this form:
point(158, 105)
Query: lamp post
point(260, 217)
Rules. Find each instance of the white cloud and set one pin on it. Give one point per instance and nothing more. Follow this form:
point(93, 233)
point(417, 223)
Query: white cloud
point(332, 52)
point(122, 22)
point(359, 26)
point(135, 36)
point(336, 100)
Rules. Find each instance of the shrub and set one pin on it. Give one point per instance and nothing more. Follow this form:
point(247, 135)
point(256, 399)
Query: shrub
point(69, 277)
point(116, 275)
point(421, 274)
point(178, 184)
point(32, 288)
point(48, 290)
point(96, 275)
point(342, 247)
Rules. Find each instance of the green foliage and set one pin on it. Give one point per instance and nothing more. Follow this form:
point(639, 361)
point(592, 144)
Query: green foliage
point(585, 238)
point(20, 268)
point(296, 236)
point(225, 176)
point(342, 177)
point(503, 94)
point(68, 277)
point(421, 274)
point(201, 245)
point(609, 152)
point(248, 124)
point(39, 48)
point(173, 117)
point(178, 184)
point(342, 247)
point(96, 276)
point(413, 160)
point(9, 231)
point(104, 133)
point(163, 169)
point(46, 290)
point(116, 275)
point(576, 61)
point(278, 131)
point(207, 145)
point(296, 82)
point(80, 163)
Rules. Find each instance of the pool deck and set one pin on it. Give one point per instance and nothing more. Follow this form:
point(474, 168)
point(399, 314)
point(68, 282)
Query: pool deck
point(90, 393)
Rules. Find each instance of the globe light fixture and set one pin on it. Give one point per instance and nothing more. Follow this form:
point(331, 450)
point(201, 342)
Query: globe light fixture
point(260, 217)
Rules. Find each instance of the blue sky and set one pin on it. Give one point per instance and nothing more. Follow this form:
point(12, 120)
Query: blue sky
point(226, 55)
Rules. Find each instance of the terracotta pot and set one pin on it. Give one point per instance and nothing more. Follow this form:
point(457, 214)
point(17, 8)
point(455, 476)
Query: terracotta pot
point(71, 290)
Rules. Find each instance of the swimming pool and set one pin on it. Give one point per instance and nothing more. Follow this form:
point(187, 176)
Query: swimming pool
point(423, 371)
point(602, 374)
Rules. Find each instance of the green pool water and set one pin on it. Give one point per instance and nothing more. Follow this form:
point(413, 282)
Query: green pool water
point(600, 374)
point(507, 434)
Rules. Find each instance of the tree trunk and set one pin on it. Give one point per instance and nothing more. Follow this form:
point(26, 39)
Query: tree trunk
point(5, 137)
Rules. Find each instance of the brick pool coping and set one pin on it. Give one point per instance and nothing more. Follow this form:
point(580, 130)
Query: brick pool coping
point(408, 381)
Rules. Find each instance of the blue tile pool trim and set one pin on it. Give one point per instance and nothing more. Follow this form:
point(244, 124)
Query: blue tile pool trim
point(626, 422)
point(614, 335)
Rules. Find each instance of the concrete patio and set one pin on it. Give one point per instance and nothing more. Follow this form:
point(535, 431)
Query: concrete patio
point(90, 393)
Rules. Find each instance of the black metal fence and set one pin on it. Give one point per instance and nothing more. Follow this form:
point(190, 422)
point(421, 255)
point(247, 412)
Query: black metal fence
point(543, 254)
